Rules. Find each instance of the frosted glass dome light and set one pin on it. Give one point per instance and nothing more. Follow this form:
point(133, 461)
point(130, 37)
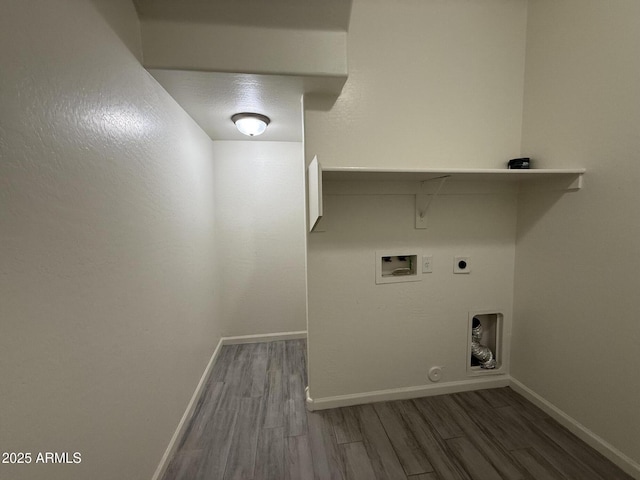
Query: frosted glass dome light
point(251, 124)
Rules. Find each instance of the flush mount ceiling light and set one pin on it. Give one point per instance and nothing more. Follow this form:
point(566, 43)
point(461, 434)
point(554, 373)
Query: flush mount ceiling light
point(251, 124)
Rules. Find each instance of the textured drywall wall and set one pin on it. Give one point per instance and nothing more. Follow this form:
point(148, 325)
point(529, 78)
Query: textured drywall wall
point(365, 337)
point(431, 84)
point(260, 225)
point(107, 267)
point(576, 328)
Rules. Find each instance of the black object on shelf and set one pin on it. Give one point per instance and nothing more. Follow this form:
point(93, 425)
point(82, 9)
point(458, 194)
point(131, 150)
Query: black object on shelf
point(519, 163)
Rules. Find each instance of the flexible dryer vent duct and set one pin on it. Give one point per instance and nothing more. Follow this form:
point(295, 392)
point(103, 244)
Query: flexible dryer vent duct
point(482, 353)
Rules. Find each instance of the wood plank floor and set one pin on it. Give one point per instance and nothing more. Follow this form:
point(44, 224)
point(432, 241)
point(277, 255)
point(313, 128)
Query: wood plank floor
point(251, 424)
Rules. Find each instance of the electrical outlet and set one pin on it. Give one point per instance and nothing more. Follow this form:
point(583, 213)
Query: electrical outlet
point(427, 264)
point(462, 265)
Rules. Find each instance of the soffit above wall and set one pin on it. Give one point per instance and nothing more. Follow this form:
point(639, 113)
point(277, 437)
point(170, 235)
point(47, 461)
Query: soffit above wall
point(239, 49)
point(294, 14)
point(220, 57)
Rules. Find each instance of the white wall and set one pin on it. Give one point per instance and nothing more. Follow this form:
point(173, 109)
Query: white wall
point(260, 227)
point(365, 337)
point(431, 83)
point(107, 272)
point(576, 330)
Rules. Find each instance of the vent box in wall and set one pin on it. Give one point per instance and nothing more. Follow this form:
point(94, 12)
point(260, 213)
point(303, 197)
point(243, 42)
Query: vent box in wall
point(492, 337)
point(397, 266)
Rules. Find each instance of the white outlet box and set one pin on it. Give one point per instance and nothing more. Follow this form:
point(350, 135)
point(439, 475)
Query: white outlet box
point(427, 264)
point(395, 266)
point(462, 265)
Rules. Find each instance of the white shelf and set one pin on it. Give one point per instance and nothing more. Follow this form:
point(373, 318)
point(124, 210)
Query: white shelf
point(454, 174)
point(358, 180)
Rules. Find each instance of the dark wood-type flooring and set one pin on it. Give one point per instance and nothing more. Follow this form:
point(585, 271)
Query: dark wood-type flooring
point(251, 423)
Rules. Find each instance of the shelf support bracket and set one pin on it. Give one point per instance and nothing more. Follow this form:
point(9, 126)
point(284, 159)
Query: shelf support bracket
point(424, 201)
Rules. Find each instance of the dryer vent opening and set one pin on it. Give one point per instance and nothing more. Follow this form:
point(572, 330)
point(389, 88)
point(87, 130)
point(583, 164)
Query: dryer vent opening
point(485, 343)
point(480, 354)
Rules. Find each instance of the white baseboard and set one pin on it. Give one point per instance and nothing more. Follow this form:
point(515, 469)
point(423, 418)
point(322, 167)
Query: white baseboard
point(609, 451)
point(406, 392)
point(265, 337)
point(583, 433)
point(184, 421)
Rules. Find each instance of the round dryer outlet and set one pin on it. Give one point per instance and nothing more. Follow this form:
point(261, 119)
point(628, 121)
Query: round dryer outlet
point(435, 374)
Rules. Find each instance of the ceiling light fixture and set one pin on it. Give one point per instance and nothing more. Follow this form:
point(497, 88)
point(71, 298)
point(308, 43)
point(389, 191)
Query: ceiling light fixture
point(251, 124)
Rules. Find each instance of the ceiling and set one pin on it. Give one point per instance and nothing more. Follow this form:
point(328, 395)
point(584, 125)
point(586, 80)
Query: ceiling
point(294, 14)
point(210, 98)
